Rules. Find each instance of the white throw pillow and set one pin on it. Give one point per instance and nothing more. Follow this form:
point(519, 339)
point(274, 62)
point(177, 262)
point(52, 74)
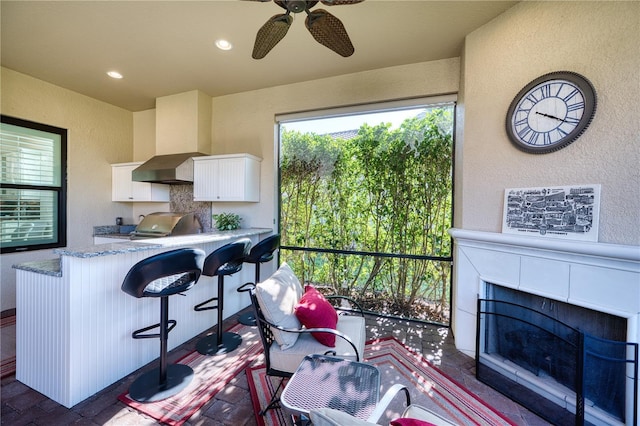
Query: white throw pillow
point(277, 297)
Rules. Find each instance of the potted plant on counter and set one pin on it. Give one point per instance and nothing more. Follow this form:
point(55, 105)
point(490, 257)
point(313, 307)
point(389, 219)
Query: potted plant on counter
point(227, 221)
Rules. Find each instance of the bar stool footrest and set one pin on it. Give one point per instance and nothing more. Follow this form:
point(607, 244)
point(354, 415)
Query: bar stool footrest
point(200, 306)
point(138, 334)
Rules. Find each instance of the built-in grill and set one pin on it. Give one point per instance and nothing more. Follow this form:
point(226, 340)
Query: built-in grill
point(166, 224)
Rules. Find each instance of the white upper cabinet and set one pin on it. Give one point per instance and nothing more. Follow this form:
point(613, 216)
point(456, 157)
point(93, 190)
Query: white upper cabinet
point(125, 189)
point(233, 177)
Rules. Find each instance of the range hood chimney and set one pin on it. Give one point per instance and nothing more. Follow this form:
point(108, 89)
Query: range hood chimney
point(169, 169)
point(182, 131)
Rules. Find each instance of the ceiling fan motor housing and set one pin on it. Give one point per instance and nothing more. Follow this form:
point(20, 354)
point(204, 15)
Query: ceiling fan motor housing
point(297, 6)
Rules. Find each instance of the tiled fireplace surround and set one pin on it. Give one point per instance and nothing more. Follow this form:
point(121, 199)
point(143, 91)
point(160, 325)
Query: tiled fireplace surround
point(598, 276)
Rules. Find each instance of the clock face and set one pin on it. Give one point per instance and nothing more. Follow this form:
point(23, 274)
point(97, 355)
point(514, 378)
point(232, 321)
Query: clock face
point(551, 112)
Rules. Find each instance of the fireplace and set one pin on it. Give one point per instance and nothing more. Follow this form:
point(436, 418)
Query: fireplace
point(529, 346)
point(579, 292)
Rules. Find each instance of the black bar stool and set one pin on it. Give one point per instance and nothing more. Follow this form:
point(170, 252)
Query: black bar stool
point(162, 275)
point(226, 260)
point(260, 253)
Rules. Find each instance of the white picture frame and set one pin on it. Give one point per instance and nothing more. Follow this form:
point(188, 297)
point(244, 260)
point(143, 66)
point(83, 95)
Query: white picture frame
point(565, 212)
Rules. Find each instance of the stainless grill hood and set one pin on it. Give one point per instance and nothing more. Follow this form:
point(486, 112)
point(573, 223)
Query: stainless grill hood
point(165, 224)
point(170, 169)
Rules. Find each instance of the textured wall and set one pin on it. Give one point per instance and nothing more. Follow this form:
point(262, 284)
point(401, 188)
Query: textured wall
point(599, 40)
point(98, 134)
point(245, 122)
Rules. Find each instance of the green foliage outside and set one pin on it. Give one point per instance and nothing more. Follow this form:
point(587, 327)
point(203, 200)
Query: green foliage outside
point(383, 191)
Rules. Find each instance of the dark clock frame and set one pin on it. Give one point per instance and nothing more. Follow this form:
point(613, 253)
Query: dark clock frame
point(590, 103)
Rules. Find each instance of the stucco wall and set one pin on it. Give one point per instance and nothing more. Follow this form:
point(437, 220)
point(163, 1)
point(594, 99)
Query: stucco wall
point(599, 40)
point(98, 134)
point(245, 122)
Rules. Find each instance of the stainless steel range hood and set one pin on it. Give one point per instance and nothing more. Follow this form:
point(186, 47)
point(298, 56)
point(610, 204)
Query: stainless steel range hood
point(169, 169)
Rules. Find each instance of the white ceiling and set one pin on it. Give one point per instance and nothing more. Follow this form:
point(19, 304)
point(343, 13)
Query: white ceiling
point(167, 47)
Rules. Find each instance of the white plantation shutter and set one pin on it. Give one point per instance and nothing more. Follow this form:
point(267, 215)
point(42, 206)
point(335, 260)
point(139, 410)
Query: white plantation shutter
point(31, 175)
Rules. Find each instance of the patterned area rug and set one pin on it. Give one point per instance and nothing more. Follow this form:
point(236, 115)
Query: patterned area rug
point(211, 374)
point(429, 387)
point(8, 341)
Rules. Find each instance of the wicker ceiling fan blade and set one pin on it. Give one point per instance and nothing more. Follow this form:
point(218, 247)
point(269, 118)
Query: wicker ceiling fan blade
point(329, 31)
point(339, 2)
point(270, 34)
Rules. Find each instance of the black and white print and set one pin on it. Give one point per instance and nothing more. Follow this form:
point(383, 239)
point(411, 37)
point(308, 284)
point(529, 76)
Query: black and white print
point(569, 212)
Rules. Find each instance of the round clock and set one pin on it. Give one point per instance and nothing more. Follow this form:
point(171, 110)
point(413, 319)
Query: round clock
point(551, 112)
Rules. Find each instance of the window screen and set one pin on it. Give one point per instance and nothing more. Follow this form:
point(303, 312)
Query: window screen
point(33, 190)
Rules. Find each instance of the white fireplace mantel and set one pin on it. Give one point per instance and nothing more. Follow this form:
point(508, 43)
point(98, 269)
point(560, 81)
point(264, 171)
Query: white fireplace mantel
point(598, 276)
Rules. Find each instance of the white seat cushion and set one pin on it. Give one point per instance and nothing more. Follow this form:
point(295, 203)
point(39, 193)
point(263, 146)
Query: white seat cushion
point(332, 417)
point(288, 359)
point(421, 413)
point(277, 296)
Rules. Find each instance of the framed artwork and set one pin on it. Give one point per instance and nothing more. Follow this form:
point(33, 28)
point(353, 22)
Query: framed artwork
point(568, 212)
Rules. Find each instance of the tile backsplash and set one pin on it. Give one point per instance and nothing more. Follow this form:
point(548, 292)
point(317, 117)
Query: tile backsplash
point(181, 200)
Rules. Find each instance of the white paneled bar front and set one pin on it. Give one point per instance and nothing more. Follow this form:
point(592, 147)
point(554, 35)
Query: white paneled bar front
point(73, 331)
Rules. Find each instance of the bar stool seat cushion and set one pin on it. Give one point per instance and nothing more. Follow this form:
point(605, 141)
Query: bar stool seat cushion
point(278, 296)
point(168, 285)
point(226, 260)
point(164, 274)
point(263, 251)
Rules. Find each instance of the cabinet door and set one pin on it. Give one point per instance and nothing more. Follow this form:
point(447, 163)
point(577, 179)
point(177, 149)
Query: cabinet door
point(121, 188)
point(205, 176)
point(140, 191)
point(231, 179)
point(226, 178)
point(125, 189)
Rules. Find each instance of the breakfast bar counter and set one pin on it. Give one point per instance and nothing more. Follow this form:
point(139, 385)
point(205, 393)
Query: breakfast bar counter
point(74, 323)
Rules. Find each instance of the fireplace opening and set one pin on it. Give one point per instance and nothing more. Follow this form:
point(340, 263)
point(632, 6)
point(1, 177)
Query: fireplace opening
point(568, 364)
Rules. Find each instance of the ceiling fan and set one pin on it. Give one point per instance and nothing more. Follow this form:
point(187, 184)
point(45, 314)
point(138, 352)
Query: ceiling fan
point(323, 26)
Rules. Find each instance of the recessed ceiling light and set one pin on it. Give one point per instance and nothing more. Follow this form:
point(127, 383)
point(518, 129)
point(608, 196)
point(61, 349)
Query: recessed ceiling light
point(223, 44)
point(114, 74)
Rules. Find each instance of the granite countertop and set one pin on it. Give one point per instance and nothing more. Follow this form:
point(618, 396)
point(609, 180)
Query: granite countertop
point(49, 267)
point(52, 266)
point(153, 243)
point(106, 249)
point(114, 235)
point(113, 231)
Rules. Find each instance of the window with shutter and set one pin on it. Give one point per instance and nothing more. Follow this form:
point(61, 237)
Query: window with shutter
point(32, 185)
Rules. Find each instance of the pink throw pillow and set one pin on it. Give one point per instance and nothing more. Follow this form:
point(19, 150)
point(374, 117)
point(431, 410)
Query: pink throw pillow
point(409, 422)
point(314, 311)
